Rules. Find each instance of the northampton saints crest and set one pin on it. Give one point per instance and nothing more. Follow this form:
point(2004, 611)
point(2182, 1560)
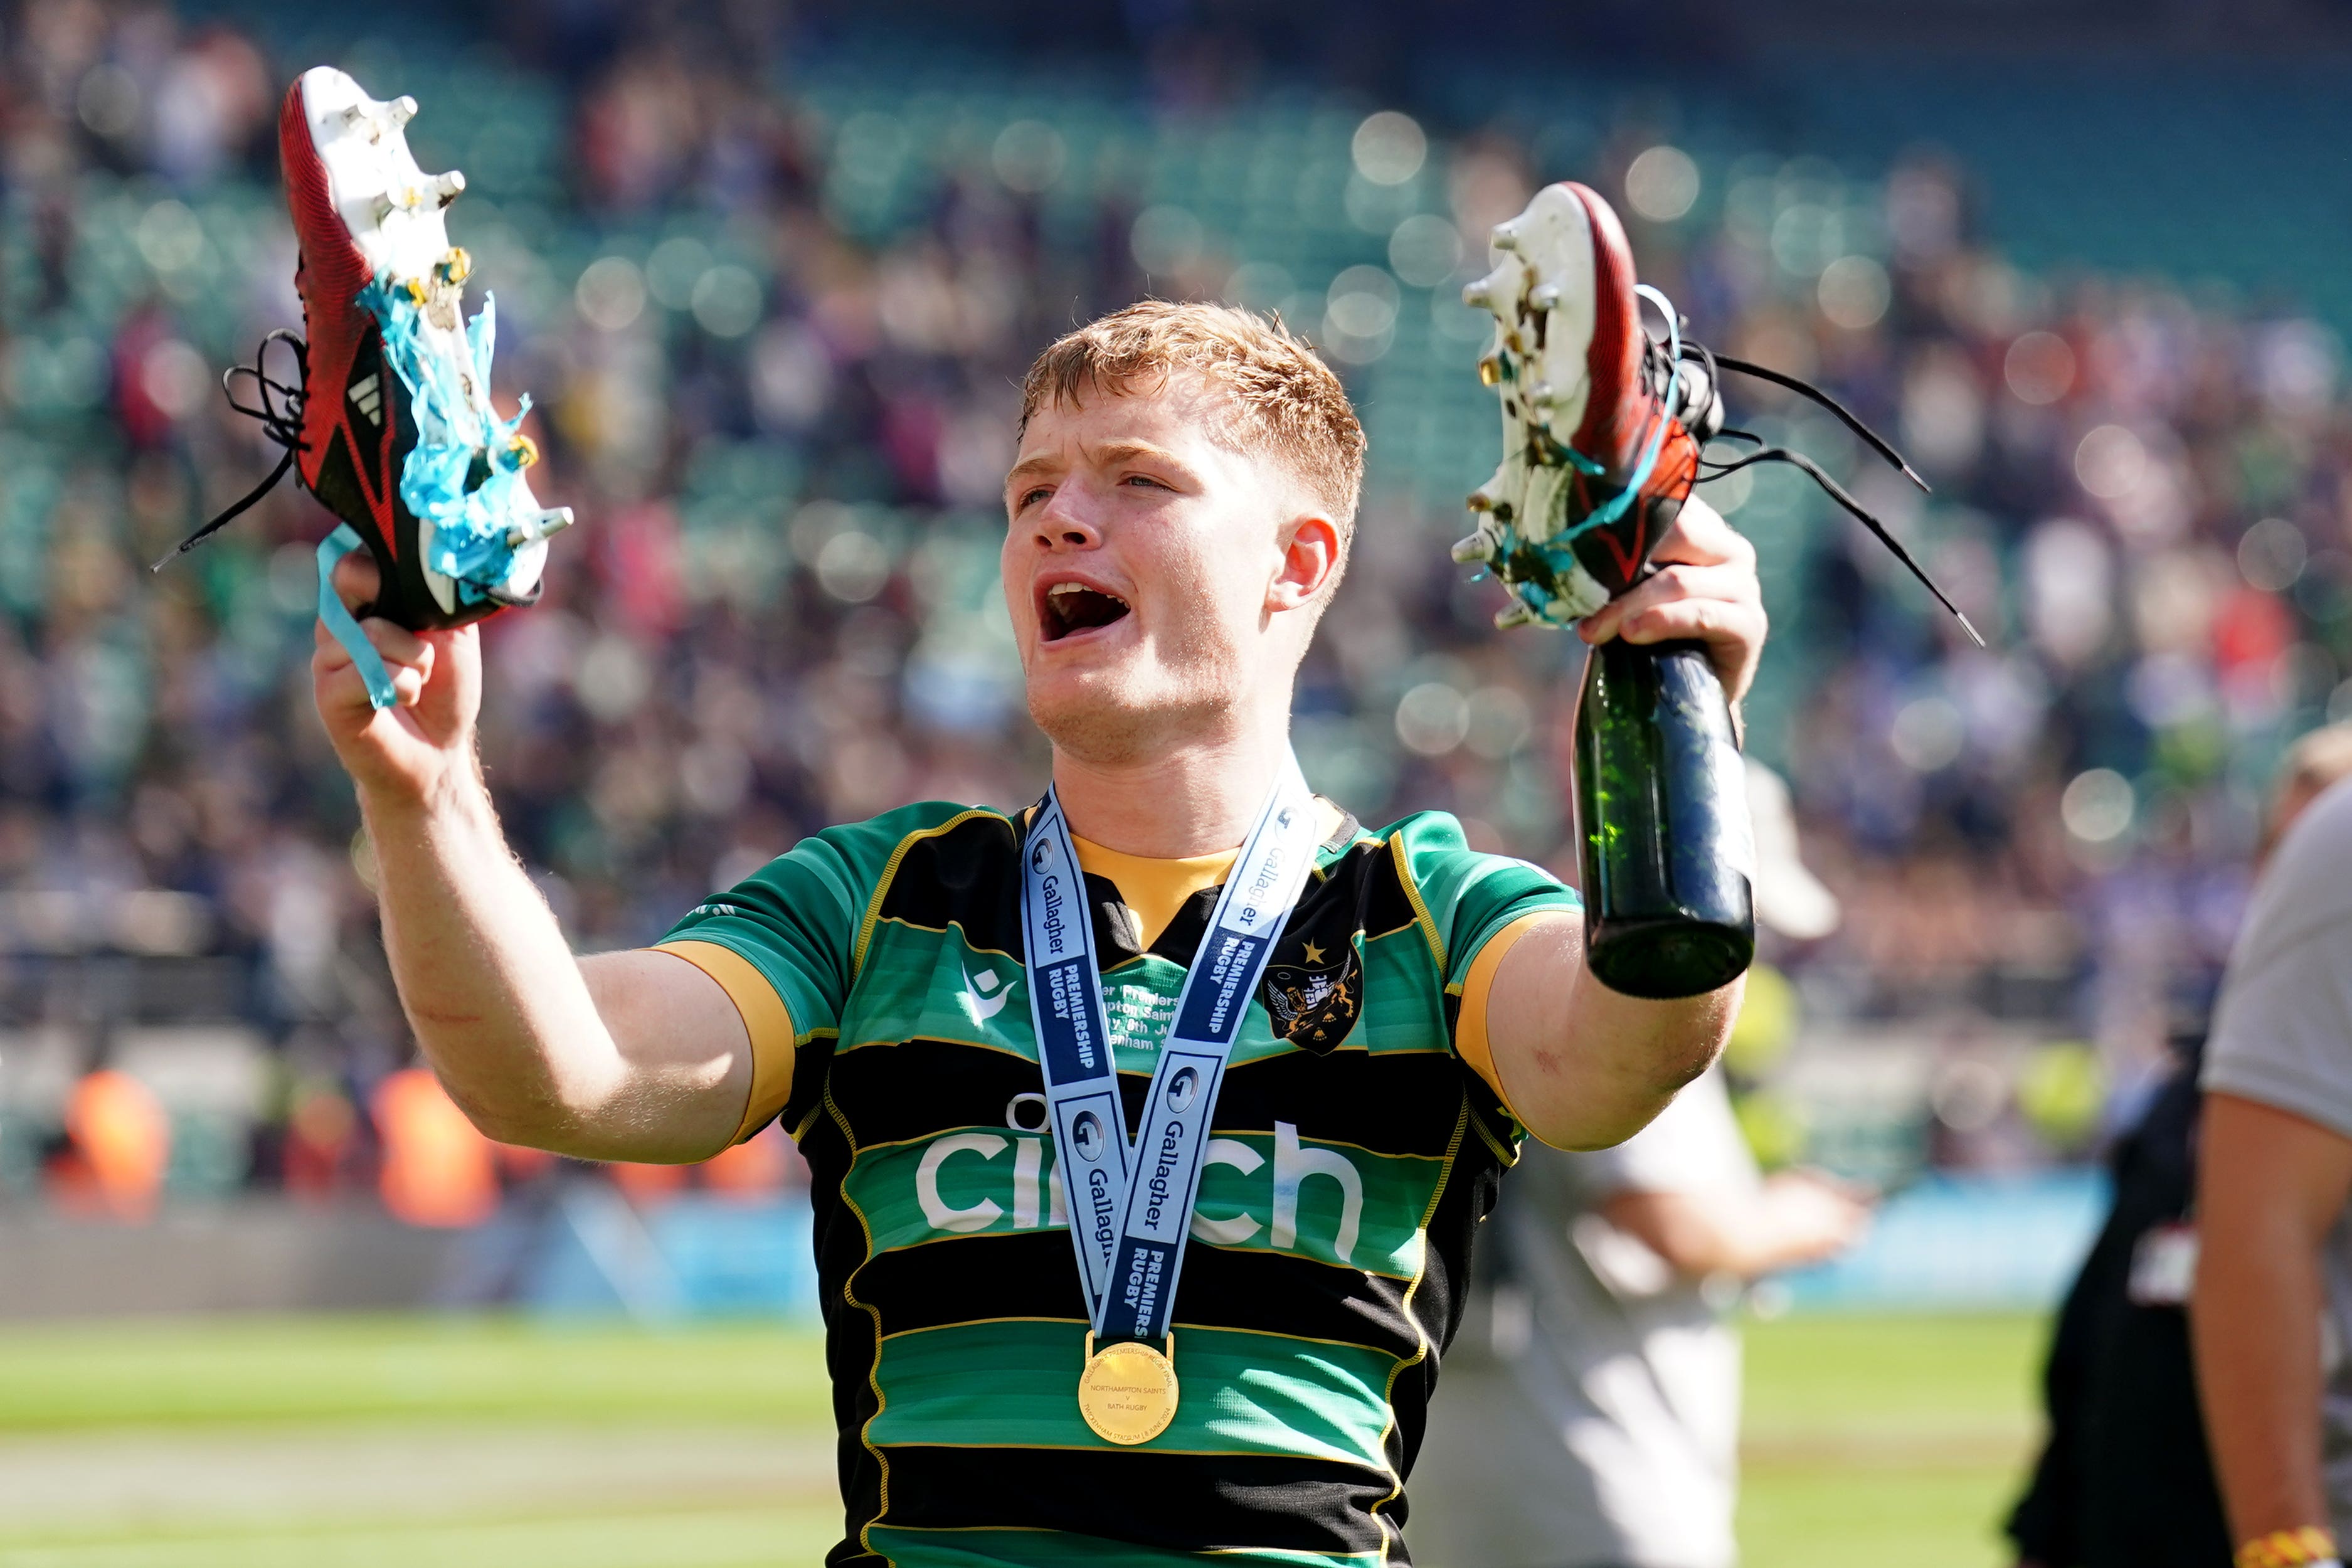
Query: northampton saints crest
point(1312, 1003)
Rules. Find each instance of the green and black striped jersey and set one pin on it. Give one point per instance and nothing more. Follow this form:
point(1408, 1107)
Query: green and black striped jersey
point(1357, 1142)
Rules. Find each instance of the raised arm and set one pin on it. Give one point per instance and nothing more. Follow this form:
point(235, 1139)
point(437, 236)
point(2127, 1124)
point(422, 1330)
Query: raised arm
point(1585, 1067)
point(627, 1055)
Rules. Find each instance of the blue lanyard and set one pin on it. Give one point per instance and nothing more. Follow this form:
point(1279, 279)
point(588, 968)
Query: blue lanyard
point(1130, 1208)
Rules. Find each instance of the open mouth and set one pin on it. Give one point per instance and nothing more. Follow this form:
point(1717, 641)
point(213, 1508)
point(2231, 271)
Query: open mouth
point(1072, 608)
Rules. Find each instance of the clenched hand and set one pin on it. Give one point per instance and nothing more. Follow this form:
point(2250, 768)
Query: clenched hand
point(416, 748)
point(1704, 589)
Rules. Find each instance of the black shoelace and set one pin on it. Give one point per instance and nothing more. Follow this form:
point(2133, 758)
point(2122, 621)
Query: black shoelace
point(279, 406)
point(1709, 469)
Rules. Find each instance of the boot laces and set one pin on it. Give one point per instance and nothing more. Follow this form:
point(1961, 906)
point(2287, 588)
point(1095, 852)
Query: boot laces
point(277, 405)
point(1656, 366)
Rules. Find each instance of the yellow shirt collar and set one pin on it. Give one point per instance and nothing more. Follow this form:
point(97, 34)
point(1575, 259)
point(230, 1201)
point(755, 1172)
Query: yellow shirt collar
point(1154, 890)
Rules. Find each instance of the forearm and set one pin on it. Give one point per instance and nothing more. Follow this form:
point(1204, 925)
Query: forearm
point(490, 986)
point(1699, 1236)
point(1730, 1237)
point(629, 1055)
point(2256, 1331)
point(1584, 1066)
point(1637, 1054)
point(1792, 1219)
point(2254, 1322)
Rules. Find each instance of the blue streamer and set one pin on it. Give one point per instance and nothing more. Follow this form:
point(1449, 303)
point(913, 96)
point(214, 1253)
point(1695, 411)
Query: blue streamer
point(340, 624)
point(473, 529)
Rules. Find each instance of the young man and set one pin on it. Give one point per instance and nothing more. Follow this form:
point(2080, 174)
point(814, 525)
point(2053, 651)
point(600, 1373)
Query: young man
point(1177, 518)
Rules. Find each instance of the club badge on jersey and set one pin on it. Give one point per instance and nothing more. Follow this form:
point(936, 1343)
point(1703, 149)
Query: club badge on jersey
point(1130, 1201)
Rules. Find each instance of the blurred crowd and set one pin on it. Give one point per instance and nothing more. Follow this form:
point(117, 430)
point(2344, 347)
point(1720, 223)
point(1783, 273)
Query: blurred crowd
point(778, 388)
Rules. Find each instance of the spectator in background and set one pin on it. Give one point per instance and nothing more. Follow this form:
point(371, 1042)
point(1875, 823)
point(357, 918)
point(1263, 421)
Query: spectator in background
point(118, 1146)
point(1589, 1416)
point(437, 1170)
point(2273, 1284)
point(775, 422)
point(2126, 1479)
point(2123, 1478)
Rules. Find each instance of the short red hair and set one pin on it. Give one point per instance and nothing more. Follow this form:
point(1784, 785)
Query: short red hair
point(1287, 403)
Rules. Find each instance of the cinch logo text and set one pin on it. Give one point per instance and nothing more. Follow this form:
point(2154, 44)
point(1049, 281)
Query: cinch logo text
point(971, 1166)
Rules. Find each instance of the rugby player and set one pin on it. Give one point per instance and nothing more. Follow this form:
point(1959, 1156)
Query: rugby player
point(1177, 518)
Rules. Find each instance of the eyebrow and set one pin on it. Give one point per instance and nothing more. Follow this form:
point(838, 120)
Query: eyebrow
point(1108, 452)
point(1119, 451)
point(1041, 463)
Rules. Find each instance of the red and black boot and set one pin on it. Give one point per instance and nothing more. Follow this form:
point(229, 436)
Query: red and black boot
point(1599, 449)
point(1605, 427)
point(390, 423)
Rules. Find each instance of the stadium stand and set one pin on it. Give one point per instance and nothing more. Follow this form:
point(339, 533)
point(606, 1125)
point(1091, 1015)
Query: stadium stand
point(775, 303)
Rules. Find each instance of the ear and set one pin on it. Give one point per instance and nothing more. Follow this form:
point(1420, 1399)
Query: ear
point(1310, 563)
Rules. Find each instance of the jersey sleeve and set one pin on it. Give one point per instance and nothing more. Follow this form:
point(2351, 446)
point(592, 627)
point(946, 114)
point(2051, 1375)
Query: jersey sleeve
point(785, 943)
point(1475, 907)
point(2282, 1031)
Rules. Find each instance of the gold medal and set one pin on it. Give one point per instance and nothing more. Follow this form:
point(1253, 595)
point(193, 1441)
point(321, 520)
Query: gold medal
point(1127, 1391)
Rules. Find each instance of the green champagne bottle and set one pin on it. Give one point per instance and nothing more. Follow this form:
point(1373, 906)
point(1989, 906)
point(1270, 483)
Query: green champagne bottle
point(1605, 431)
point(1668, 851)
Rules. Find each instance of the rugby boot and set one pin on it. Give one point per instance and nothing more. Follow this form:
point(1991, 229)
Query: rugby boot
point(391, 425)
point(1601, 426)
point(1605, 428)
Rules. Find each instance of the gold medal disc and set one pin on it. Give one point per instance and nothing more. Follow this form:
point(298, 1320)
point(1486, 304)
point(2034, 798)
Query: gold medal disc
point(1127, 1391)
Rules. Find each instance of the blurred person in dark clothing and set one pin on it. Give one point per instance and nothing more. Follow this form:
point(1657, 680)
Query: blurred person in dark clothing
point(2126, 1476)
point(2273, 1281)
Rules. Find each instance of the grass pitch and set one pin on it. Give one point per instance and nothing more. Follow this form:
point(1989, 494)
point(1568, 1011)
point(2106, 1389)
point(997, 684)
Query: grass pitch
point(367, 1443)
point(1896, 1440)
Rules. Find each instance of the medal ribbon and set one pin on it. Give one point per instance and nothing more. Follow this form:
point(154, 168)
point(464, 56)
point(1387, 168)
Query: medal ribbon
point(1066, 1007)
point(1130, 1210)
